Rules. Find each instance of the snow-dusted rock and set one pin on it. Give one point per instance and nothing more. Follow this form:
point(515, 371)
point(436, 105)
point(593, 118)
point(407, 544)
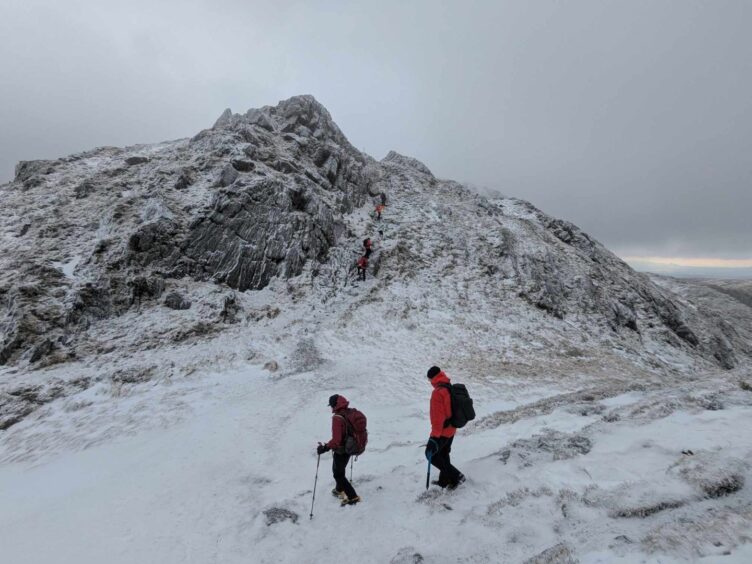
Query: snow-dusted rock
point(712, 474)
point(276, 515)
point(136, 160)
point(394, 157)
point(279, 193)
point(558, 554)
point(174, 300)
point(549, 445)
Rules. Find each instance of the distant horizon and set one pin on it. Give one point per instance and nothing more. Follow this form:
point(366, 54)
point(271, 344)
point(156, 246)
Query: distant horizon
point(683, 267)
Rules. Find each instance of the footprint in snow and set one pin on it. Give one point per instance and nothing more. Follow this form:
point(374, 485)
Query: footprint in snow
point(435, 497)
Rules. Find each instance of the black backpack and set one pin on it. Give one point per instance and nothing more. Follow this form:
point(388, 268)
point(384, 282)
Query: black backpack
point(462, 406)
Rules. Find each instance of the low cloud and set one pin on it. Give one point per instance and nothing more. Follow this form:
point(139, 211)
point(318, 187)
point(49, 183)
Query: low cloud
point(631, 119)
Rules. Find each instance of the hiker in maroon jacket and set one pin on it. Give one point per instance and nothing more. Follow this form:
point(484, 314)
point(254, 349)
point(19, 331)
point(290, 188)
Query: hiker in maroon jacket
point(367, 247)
point(362, 268)
point(344, 489)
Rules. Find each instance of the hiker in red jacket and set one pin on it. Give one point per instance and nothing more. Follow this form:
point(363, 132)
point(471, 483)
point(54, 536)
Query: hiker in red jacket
point(362, 267)
point(379, 209)
point(439, 445)
point(344, 489)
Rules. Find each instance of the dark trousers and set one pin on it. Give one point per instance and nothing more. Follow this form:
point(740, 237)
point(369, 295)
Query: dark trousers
point(448, 474)
point(362, 274)
point(339, 469)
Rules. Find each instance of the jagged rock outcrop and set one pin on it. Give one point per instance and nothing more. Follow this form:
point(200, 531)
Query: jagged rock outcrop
point(266, 190)
point(393, 157)
point(278, 193)
point(256, 232)
point(174, 300)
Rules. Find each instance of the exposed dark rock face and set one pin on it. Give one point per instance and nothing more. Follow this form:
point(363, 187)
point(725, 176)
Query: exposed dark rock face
point(273, 222)
point(40, 350)
point(31, 310)
point(230, 309)
point(136, 160)
point(146, 288)
point(16, 403)
point(228, 176)
point(185, 179)
point(153, 241)
point(30, 173)
point(174, 300)
point(259, 232)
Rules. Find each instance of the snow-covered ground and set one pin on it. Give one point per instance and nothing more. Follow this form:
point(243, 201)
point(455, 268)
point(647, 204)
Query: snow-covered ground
point(219, 466)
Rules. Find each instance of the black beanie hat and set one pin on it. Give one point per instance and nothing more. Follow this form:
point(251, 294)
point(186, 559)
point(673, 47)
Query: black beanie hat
point(433, 371)
point(333, 400)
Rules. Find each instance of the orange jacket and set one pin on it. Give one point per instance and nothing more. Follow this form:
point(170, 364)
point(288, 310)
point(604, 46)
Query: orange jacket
point(441, 407)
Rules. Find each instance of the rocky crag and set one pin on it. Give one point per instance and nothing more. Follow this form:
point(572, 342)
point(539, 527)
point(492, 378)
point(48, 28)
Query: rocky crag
point(279, 195)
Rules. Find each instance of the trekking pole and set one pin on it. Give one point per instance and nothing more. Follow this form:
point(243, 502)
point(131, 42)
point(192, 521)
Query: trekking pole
point(428, 473)
point(315, 481)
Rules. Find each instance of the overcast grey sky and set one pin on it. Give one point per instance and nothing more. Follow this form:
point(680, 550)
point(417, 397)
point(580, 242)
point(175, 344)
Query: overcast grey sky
point(632, 119)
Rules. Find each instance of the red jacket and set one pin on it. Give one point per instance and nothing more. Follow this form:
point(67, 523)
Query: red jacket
point(339, 428)
point(441, 407)
point(362, 262)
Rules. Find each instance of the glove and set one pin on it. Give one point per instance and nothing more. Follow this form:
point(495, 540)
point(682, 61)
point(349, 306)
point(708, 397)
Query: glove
point(321, 449)
point(432, 447)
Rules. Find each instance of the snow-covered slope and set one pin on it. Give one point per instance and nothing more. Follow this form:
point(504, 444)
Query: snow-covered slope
point(218, 466)
point(175, 316)
point(280, 192)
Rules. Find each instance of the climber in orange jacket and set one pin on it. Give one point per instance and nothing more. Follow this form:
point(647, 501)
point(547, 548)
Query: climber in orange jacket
point(439, 444)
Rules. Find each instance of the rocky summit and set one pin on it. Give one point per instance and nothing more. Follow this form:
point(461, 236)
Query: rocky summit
point(279, 193)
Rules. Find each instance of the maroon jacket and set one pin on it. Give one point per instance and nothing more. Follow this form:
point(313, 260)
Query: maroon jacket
point(339, 427)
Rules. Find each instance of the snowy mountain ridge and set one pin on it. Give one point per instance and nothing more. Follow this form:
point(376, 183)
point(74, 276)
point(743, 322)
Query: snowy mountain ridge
point(279, 191)
point(154, 298)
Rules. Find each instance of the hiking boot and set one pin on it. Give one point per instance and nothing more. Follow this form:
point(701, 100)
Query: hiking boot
point(460, 480)
point(339, 494)
point(438, 483)
point(350, 501)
